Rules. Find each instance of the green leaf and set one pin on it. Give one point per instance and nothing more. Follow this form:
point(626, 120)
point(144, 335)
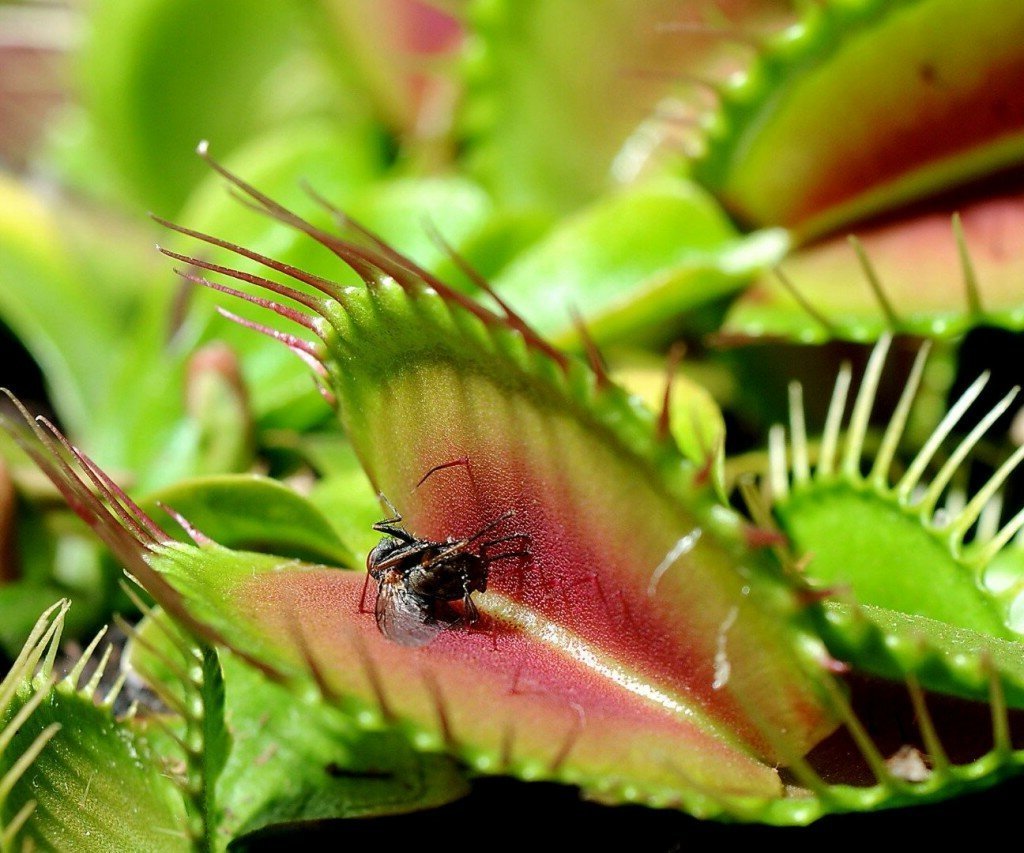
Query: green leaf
point(95, 783)
point(14, 713)
point(297, 760)
point(602, 498)
point(255, 513)
point(895, 562)
point(150, 119)
point(634, 261)
point(293, 758)
point(890, 546)
point(186, 675)
point(950, 659)
point(944, 108)
point(216, 740)
point(52, 562)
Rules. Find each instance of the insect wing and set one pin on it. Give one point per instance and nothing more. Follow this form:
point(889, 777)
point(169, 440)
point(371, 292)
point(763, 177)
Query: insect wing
point(401, 617)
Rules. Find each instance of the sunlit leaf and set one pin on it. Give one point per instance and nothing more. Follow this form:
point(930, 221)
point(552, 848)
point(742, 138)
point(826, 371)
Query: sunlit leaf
point(908, 563)
point(246, 511)
point(429, 378)
point(799, 142)
point(293, 758)
point(911, 275)
point(95, 784)
point(634, 261)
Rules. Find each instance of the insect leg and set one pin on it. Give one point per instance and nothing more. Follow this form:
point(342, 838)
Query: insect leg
point(462, 460)
point(510, 538)
point(392, 526)
point(469, 608)
point(487, 528)
point(388, 528)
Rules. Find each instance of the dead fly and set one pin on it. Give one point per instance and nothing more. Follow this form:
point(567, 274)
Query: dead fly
point(417, 579)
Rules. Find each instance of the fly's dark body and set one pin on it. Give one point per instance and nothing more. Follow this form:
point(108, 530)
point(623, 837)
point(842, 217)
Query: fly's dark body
point(417, 579)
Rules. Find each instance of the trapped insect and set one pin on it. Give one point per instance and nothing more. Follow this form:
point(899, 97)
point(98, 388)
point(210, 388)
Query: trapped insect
point(417, 579)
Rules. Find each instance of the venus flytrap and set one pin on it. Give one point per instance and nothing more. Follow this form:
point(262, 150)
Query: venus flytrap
point(66, 760)
point(643, 667)
point(646, 641)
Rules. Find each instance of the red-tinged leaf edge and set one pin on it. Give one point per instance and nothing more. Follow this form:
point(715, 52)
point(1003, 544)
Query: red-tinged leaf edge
point(795, 142)
point(935, 273)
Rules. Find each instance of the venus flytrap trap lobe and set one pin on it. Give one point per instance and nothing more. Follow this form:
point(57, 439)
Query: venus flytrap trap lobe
point(940, 139)
point(910, 595)
point(68, 760)
point(208, 576)
point(461, 513)
point(553, 632)
point(895, 277)
point(13, 718)
point(766, 159)
point(210, 579)
point(889, 788)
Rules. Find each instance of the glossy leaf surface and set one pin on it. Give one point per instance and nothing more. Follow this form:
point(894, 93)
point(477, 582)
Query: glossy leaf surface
point(932, 283)
point(590, 263)
point(864, 106)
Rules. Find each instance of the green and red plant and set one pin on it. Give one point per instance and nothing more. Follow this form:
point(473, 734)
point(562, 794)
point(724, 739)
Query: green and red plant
point(687, 626)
